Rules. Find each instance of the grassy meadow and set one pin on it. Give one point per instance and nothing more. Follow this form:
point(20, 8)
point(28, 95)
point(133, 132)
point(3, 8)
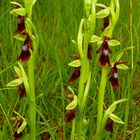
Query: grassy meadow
point(57, 23)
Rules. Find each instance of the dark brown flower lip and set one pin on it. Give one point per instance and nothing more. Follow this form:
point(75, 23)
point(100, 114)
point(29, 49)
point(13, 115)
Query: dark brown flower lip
point(25, 54)
point(104, 60)
point(113, 75)
point(70, 115)
point(104, 48)
point(89, 53)
point(109, 125)
point(21, 24)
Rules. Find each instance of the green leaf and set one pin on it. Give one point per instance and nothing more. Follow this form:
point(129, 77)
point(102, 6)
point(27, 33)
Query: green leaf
point(115, 118)
point(18, 71)
point(73, 104)
point(101, 5)
point(29, 5)
point(20, 37)
point(95, 38)
point(103, 13)
point(16, 3)
point(19, 11)
point(87, 7)
point(113, 42)
point(29, 2)
point(122, 66)
point(22, 127)
point(14, 83)
point(75, 63)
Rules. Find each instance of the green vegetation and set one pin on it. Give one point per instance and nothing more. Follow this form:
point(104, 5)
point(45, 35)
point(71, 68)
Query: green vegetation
point(57, 23)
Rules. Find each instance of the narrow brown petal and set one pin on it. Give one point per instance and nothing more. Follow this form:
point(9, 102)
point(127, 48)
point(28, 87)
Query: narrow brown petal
point(89, 54)
point(75, 75)
point(22, 91)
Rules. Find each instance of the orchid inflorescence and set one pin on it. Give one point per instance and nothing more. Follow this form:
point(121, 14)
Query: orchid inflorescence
point(104, 57)
point(21, 30)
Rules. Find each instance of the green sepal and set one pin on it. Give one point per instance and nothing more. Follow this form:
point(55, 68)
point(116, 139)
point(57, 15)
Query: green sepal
point(19, 11)
point(20, 37)
point(95, 38)
point(16, 3)
point(73, 104)
point(122, 66)
point(22, 127)
point(101, 5)
point(113, 106)
point(113, 42)
point(103, 13)
point(14, 83)
point(75, 63)
point(115, 118)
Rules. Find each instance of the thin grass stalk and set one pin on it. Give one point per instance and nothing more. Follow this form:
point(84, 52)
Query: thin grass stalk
point(131, 34)
point(11, 130)
point(132, 66)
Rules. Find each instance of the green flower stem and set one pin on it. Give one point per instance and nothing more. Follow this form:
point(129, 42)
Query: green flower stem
point(73, 130)
point(101, 102)
point(114, 4)
point(32, 102)
point(82, 82)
